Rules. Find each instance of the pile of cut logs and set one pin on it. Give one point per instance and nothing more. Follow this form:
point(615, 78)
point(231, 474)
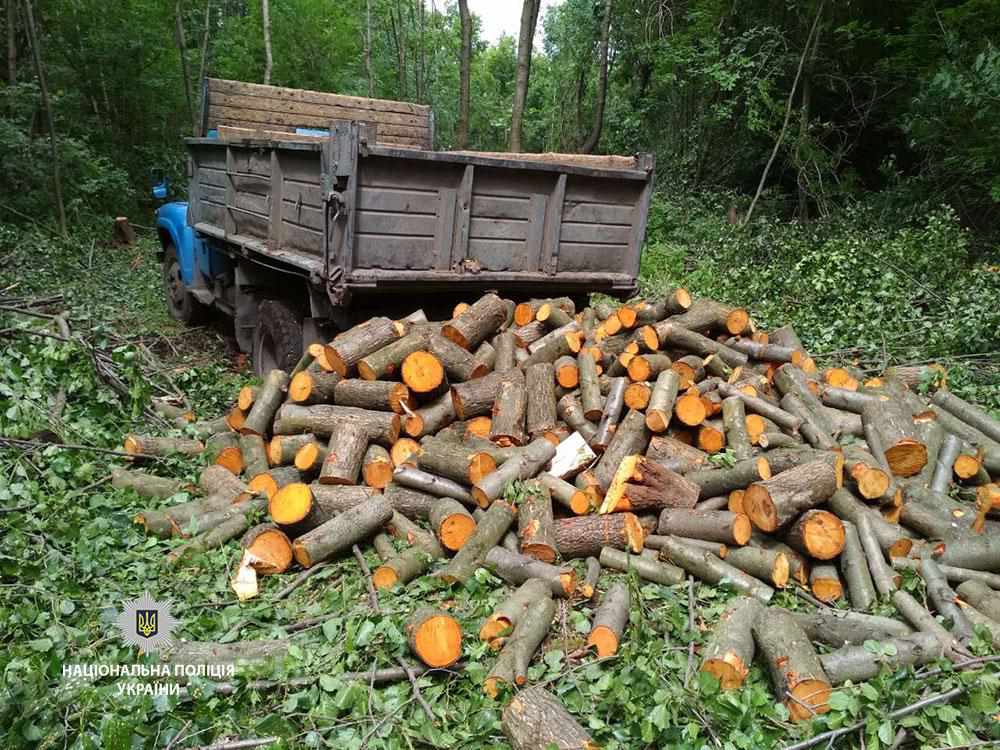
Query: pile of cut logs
point(668, 438)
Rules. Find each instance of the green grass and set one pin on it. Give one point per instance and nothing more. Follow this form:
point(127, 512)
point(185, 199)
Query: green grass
point(71, 555)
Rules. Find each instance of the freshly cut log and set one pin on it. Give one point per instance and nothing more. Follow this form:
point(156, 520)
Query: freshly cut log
point(641, 484)
point(690, 370)
point(235, 419)
point(178, 520)
point(734, 418)
point(512, 664)
point(207, 428)
point(535, 523)
point(556, 343)
point(567, 373)
point(219, 527)
point(414, 535)
point(254, 454)
point(590, 390)
point(588, 586)
point(871, 481)
point(711, 436)
point(428, 420)
point(322, 420)
point(343, 531)
point(945, 600)
point(951, 446)
point(215, 480)
point(345, 454)
point(968, 413)
point(649, 569)
point(246, 397)
point(770, 565)
point(435, 637)
point(423, 374)
point(429, 483)
point(783, 419)
point(572, 456)
point(825, 583)
point(386, 361)
point(347, 349)
point(411, 503)
point(715, 526)
point(459, 363)
point(837, 628)
point(145, 485)
point(147, 445)
point(270, 547)
point(638, 395)
point(401, 568)
point(610, 621)
point(892, 425)
point(711, 569)
point(859, 663)
point(271, 481)
point(223, 449)
point(675, 302)
point(677, 456)
point(536, 720)
point(516, 568)
point(525, 312)
point(613, 405)
point(283, 449)
point(773, 503)
point(374, 395)
point(571, 412)
point(669, 334)
point(521, 337)
point(540, 419)
point(882, 575)
point(796, 671)
point(526, 465)
point(690, 409)
point(891, 537)
point(477, 323)
point(730, 649)
point(376, 467)
point(630, 438)
point(980, 596)
point(818, 534)
point(455, 461)
point(662, 400)
point(505, 617)
point(509, 408)
point(917, 615)
point(266, 404)
point(310, 456)
point(584, 536)
point(854, 567)
point(657, 542)
point(299, 507)
point(490, 529)
point(565, 494)
point(976, 553)
point(713, 482)
point(798, 564)
point(647, 367)
point(313, 386)
point(953, 574)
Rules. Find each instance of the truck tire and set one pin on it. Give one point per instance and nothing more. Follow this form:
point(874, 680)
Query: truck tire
point(180, 302)
point(277, 340)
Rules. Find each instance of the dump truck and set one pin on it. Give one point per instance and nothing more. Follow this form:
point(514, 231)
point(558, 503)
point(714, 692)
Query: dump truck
point(307, 211)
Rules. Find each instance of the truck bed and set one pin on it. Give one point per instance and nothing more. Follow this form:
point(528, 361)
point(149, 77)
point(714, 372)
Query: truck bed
point(362, 215)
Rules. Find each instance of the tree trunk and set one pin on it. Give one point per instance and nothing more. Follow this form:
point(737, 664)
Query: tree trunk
point(430, 484)
point(527, 464)
point(610, 621)
point(265, 13)
point(768, 564)
point(647, 568)
point(893, 428)
point(350, 347)
point(271, 548)
point(917, 615)
point(512, 664)
point(341, 532)
point(980, 596)
point(465, 75)
point(854, 567)
point(145, 485)
point(672, 454)
point(661, 402)
point(506, 616)
point(642, 485)
point(490, 529)
point(584, 536)
point(714, 526)
point(529, 17)
point(859, 663)
point(536, 720)
point(711, 569)
point(730, 650)
point(36, 52)
point(456, 461)
point(149, 445)
point(267, 403)
point(322, 420)
point(516, 568)
point(630, 438)
point(181, 39)
point(798, 676)
point(435, 637)
point(535, 523)
point(775, 502)
point(818, 534)
point(299, 508)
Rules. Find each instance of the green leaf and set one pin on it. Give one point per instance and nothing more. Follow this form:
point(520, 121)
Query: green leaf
point(885, 733)
point(660, 717)
point(839, 701)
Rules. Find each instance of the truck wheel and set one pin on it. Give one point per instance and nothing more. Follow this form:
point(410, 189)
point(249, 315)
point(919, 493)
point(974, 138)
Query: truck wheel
point(277, 341)
point(181, 303)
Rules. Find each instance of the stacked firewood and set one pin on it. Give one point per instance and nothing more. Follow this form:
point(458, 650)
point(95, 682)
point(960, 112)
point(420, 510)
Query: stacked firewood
point(668, 437)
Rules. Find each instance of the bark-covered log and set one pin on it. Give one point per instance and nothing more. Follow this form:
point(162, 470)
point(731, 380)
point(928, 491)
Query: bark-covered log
point(661, 402)
point(630, 438)
point(734, 418)
point(374, 395)
point(721, 481)
point(322, 420)
point(969, 413)
point(459, 363)
point(266, 404)
point(864, 472)
point(504, 618)
point(516, 568)
point(512, 664)
point(456, 461)
point(584, 536)
point(758, 405)
point(401, 568)
point(649, 569)
point(148, 445)
point(709, 568)
point(645, 368)
point(825, 583)
point(376, 467)
point(590, 390)
point(219, 527)
point(891, 537)
point(839, 628)
point(980, 596)
point(431, 418)
point(657, 542)
point(525, 312)
point(283, 449)
point(423, 373)
point(215, 480)
point(223, 449)
point(270, 547)
point(475, 398)
point(411, 503)
point(434, 637)
point(539, 386)
point(641, 484)
point(299, 508)
point(854, 567)
point(613, 405)
point(976, 553)
point(669, 334)
point(570, 411)
point(716, 526)
point(944, 599)
point(490, 529)
point(675, 455)
point(431, 484)
point(343, 531)
point(527, 464)
point(796, 672)
point(145, 485)
point(816, 533)
point(386, 361)
point(477, 323)
point(730, 649)
point(310, 456)
point(536, 720)
point(414, 535)
point(567, 373)
point(884, 579)
point(770, 565)
point(565, 494)
point(951, 445)
point(535, 523)
point(917, 615)
point(859, 663)
point(690, 409)
point(952, 573)
point(313, 386)
point(254, 454)
point(345, 454)
point(810, 429)
point(774, 503)
point(610, 621)
point(588, 586)
point(205, 429)
point(892, 425)
point(349, 347)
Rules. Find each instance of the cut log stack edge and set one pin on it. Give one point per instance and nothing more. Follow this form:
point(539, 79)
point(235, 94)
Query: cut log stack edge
point(666, 438)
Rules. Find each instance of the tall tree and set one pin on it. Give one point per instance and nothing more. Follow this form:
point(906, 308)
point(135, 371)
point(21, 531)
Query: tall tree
point(529, 19)
point(602, 84)
point(11, 42)
point(203, 70)
point(265, 11)
point(36, 52)
point(368, 48)
point(181, 38)
point(465, 72)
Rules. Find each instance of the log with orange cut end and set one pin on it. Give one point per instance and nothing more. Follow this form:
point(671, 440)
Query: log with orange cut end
point(776, 502)
point(434, 637)
point(610, 621)
point(270, 547)
point(795, 667)
point(730, 650)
